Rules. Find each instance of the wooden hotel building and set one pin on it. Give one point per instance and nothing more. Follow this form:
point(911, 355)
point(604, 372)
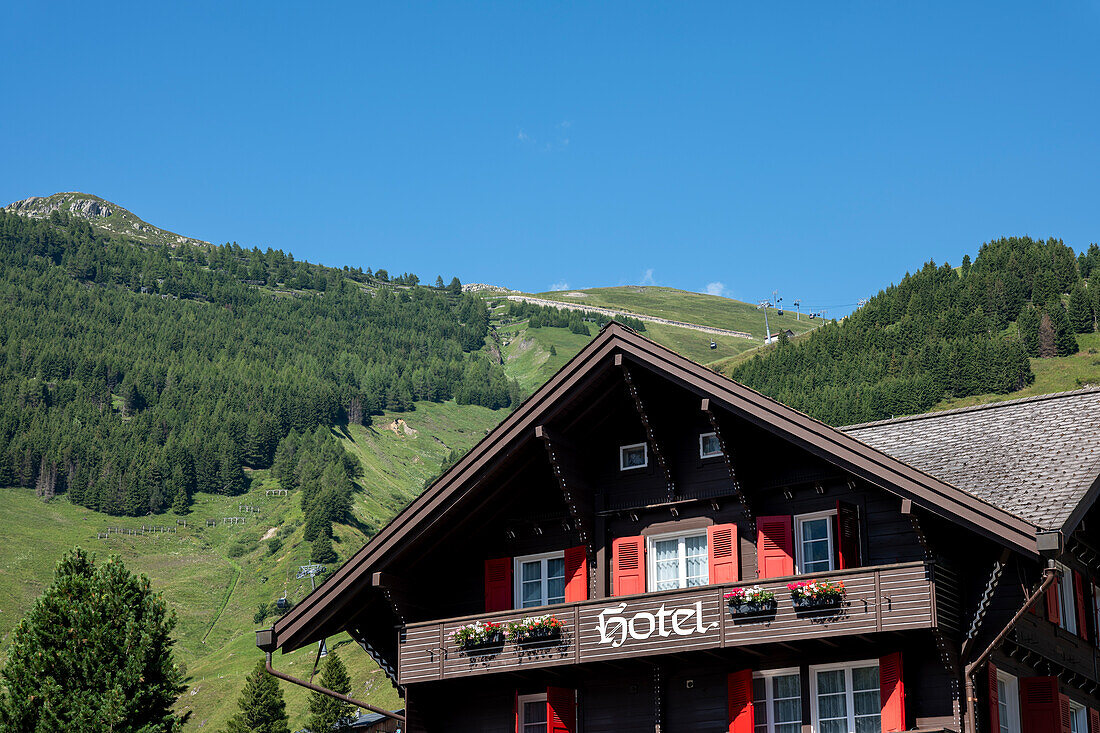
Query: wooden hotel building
point(644, 545)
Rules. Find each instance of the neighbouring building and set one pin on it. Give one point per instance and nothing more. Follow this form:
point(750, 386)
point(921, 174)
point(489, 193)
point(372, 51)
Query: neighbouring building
point(680, 553)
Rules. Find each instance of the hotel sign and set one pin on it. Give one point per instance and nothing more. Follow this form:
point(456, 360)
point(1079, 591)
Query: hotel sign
point(640, 625)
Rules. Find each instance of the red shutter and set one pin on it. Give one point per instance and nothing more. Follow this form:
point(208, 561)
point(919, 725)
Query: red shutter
point(722, 553)
point(1094, 721)
point(627, 566)
point(847, 535)
point(498, 584)
point(561, 710)
point(515, 712)
point(739, 691)
point(892, 692)
point(994, 708)
point(774, 547)
point(1054, 614)
point(1064, 713)
point(1039, 705)
point(576, 574)
point(1082, 606)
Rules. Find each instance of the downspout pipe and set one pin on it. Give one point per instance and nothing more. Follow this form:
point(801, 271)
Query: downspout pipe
point(325, 691)
point(1051, 574)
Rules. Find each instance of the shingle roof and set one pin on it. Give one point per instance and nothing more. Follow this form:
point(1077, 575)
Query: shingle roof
point(1035, 458)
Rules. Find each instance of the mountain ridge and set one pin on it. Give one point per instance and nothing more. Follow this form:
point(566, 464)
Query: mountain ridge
point(102, 214)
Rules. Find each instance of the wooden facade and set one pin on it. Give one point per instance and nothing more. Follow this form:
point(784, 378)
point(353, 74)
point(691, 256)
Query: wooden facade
point(728, 490)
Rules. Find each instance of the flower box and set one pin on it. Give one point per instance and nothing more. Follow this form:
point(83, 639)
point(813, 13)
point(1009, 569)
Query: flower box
point(747, 601)
point(817, 593)
point(479, 636)
point(753, 608)
point(534, 629)
point(823, 602)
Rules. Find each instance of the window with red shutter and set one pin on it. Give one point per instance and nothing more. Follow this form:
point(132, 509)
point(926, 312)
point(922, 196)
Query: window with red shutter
point(1065, 714)
point(892, 692)
point(994, 701)
point(739, 698)
point(774, 546)
point(1081, 605)
point(498, 584)
point(722, 550)
point(576, 574)
point(1053, 603)
point(847, 536)
point(561, 710)
point(1039, 705)
point(627, 566)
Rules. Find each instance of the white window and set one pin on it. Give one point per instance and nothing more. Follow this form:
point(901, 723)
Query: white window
point(633, 456)
point(532, 713)
point(1008, 702)
point(677, 561)
point(845, 698)
point(777, 701)
point(540, 579)
point(1067, 601)
point(1078, 718)
point(814, 540)
point(709, 447)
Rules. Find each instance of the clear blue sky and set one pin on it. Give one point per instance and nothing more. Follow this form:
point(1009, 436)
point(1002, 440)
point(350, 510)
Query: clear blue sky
point(821, 149)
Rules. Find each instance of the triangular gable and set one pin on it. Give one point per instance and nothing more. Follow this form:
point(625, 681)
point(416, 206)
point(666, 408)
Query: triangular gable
point(830, 444)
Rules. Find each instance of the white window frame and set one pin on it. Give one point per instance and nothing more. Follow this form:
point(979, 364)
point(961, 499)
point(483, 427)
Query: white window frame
point(1067, 601)
point(798, 552)
point(651, 557)
point(1011, 700)
point(769, 696)
point(517, 576)
point(704, 454)
point(849, 692)
point(1079, 716)
point(522, 701)
point(622, 456)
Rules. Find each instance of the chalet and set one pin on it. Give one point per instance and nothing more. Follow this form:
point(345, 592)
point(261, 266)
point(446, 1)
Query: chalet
point(644, 545)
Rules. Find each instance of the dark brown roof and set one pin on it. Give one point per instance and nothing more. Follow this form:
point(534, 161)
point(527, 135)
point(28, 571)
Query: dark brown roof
point(317, 612)
point(1036, 458)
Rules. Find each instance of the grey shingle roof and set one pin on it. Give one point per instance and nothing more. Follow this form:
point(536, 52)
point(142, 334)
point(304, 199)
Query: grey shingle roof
point(1034, 457)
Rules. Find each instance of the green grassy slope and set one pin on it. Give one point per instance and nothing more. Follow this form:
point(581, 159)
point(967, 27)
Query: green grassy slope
point(215, 577)
point(681, 305)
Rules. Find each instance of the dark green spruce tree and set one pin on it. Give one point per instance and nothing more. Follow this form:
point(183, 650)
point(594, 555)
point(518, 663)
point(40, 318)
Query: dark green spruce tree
point(261, 705)
point(1080, 310)
point(94, 654)
point(327, 713)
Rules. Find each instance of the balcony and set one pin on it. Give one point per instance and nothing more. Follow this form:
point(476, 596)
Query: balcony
point(883, 598)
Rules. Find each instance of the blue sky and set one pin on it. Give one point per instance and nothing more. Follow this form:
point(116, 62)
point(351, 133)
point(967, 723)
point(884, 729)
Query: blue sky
point(821, 149)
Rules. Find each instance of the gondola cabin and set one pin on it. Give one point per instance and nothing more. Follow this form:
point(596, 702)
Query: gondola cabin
point(644, 545)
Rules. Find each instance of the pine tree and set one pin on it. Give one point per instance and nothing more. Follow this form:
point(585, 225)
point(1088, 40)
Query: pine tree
point(1080, 311)
point(1065, 342)
point(94, 653)
point(965, 269)
point(1028, 324)
point(327, 713)
point(262, 708)
point(322, 551)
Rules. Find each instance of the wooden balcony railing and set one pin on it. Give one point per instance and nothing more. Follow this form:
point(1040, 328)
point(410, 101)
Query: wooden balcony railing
point(884, 598)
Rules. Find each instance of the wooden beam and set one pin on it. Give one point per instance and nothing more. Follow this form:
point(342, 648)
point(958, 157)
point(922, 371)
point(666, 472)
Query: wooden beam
point(658, 453)
point(577, 495)
point(728, 457)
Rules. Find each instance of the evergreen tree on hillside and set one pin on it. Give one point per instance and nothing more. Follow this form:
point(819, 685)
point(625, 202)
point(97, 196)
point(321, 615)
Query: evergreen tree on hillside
point(94, 653)
point(261, 705)
point(1065, 343)
point(322, 551)
point(1080, 310)
point(327, 713)
point(1028, 323)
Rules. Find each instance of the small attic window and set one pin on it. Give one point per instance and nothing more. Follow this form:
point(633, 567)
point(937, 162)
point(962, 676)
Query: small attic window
point(633, 456)
point(709, 447)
